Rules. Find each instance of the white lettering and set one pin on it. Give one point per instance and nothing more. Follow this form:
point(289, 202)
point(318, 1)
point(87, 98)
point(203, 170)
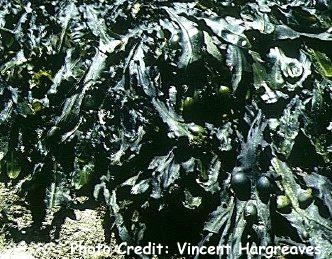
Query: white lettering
point(119, 251)
point(181, 248)
point(318, 250)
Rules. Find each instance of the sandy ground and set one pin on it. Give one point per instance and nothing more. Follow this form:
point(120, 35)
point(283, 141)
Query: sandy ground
point(83, 230)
